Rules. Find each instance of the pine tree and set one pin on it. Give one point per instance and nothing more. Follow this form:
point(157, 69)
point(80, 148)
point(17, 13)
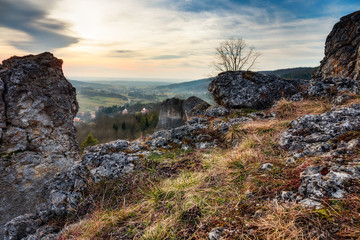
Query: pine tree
point(89, 141)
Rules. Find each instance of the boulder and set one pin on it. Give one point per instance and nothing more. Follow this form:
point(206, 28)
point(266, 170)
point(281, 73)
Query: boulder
point(171, 114)
point(240, 89)
point(216, 111)
point(175, 112)
point(67, 189)
point(342, 52)
point(37, 135)
point(194, 106)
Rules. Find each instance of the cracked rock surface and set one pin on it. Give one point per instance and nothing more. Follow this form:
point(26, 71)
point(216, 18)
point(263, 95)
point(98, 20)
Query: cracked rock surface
point(342, 55)
point(240, 89)
point(331, 136)
point(37, 135)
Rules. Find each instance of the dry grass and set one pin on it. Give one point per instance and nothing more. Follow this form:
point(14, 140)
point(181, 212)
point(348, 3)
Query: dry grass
point(286, 109)
point(184, 195)
point(288, 222)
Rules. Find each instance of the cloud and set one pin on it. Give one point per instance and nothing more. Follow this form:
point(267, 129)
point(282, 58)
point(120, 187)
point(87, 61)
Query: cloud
point(44, 33)
point(123, 54)
point(124, 51)
point(166, 57)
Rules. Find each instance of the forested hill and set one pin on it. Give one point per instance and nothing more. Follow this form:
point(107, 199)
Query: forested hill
point(196, 85)
point(293, 73)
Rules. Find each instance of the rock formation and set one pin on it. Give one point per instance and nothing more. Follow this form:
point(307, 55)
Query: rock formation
point(175, 112)
point(67, 189)
point(242, 89)
point(342, 50)
point(331, 135)
point(37, 135)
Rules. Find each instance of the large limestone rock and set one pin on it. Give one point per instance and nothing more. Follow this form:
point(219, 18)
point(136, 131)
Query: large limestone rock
point(37, 135)
point(240, 89)
point(175, 112)
point(342, 50)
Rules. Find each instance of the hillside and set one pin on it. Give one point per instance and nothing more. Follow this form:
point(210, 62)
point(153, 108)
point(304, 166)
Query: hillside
point(241, 189)
point(108, 93)
point(303, 73)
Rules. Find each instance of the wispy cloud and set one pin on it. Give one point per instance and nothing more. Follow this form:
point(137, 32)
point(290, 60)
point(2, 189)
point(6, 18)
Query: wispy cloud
point(166, 57)
point(44, 33)
point(167, 37)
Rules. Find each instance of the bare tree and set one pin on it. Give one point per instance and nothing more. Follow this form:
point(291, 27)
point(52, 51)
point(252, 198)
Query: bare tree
point(235, 55)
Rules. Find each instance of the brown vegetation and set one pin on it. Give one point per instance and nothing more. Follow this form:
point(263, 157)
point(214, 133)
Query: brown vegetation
point(183, 195)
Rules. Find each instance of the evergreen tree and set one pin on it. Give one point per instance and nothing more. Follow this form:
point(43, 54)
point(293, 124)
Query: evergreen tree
point(115, 127)
point(146, 123)
point(89, 141)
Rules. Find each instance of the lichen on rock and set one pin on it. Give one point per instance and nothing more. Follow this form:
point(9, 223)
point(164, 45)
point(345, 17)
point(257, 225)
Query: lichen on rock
point(37, 135)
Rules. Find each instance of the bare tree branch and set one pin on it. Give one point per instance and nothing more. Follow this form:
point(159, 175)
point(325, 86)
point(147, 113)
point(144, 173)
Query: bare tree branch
point(235, 55)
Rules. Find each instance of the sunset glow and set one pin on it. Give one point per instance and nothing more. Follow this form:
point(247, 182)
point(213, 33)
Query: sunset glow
point(165, 39)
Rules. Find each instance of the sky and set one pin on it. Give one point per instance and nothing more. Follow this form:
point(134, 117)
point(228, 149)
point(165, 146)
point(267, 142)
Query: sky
point(166, 39)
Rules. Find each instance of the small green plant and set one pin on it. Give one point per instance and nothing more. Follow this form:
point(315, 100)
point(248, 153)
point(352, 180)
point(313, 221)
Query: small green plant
point(89, 141)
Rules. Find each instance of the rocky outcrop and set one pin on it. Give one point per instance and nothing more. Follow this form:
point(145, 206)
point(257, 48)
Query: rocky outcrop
point(67, 189)
point(37, 135)
point(318, 134)
point(240, 89)
point(332, 136)
point(175, 112)
point(342, 50)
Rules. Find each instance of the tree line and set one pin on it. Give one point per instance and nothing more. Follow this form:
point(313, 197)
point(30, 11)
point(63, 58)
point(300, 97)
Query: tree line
point(106, 128)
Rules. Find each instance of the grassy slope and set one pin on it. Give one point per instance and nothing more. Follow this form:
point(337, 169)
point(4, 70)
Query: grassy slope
point(183, 195)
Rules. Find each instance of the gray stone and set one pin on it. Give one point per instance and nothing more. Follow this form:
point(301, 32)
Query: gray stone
point(217, 111)
point(37, 135)
point(241, 89)
point(194, 106)
point(171, 114)
point(341, 99)
point(342, 56)
point(314, 134)
point(216, 233)
point(332, 87)
point(267, 166)
point(223, 125)
point(21, 227)
point(175, 112)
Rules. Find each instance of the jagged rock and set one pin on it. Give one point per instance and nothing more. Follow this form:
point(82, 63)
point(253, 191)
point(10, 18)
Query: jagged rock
point(217, 111)
point(342, 55)
point(44, 233)
point(323, 181)
point(297, 97)
point(332, 87)
point(267, 166)
point(67, 189)
point(37, 135)
point(113, 166)
point(329, 135)
point(315, 134)
point(216, 233)
point(223, 125)
point(175, 112)
point(240, 89)
point(21, 227)
point(341, 99)
point(194, 106)
point(171, 114)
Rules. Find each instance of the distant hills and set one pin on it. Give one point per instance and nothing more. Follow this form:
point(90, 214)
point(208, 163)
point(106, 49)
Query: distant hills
point(293, 73)
point(108, 93)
